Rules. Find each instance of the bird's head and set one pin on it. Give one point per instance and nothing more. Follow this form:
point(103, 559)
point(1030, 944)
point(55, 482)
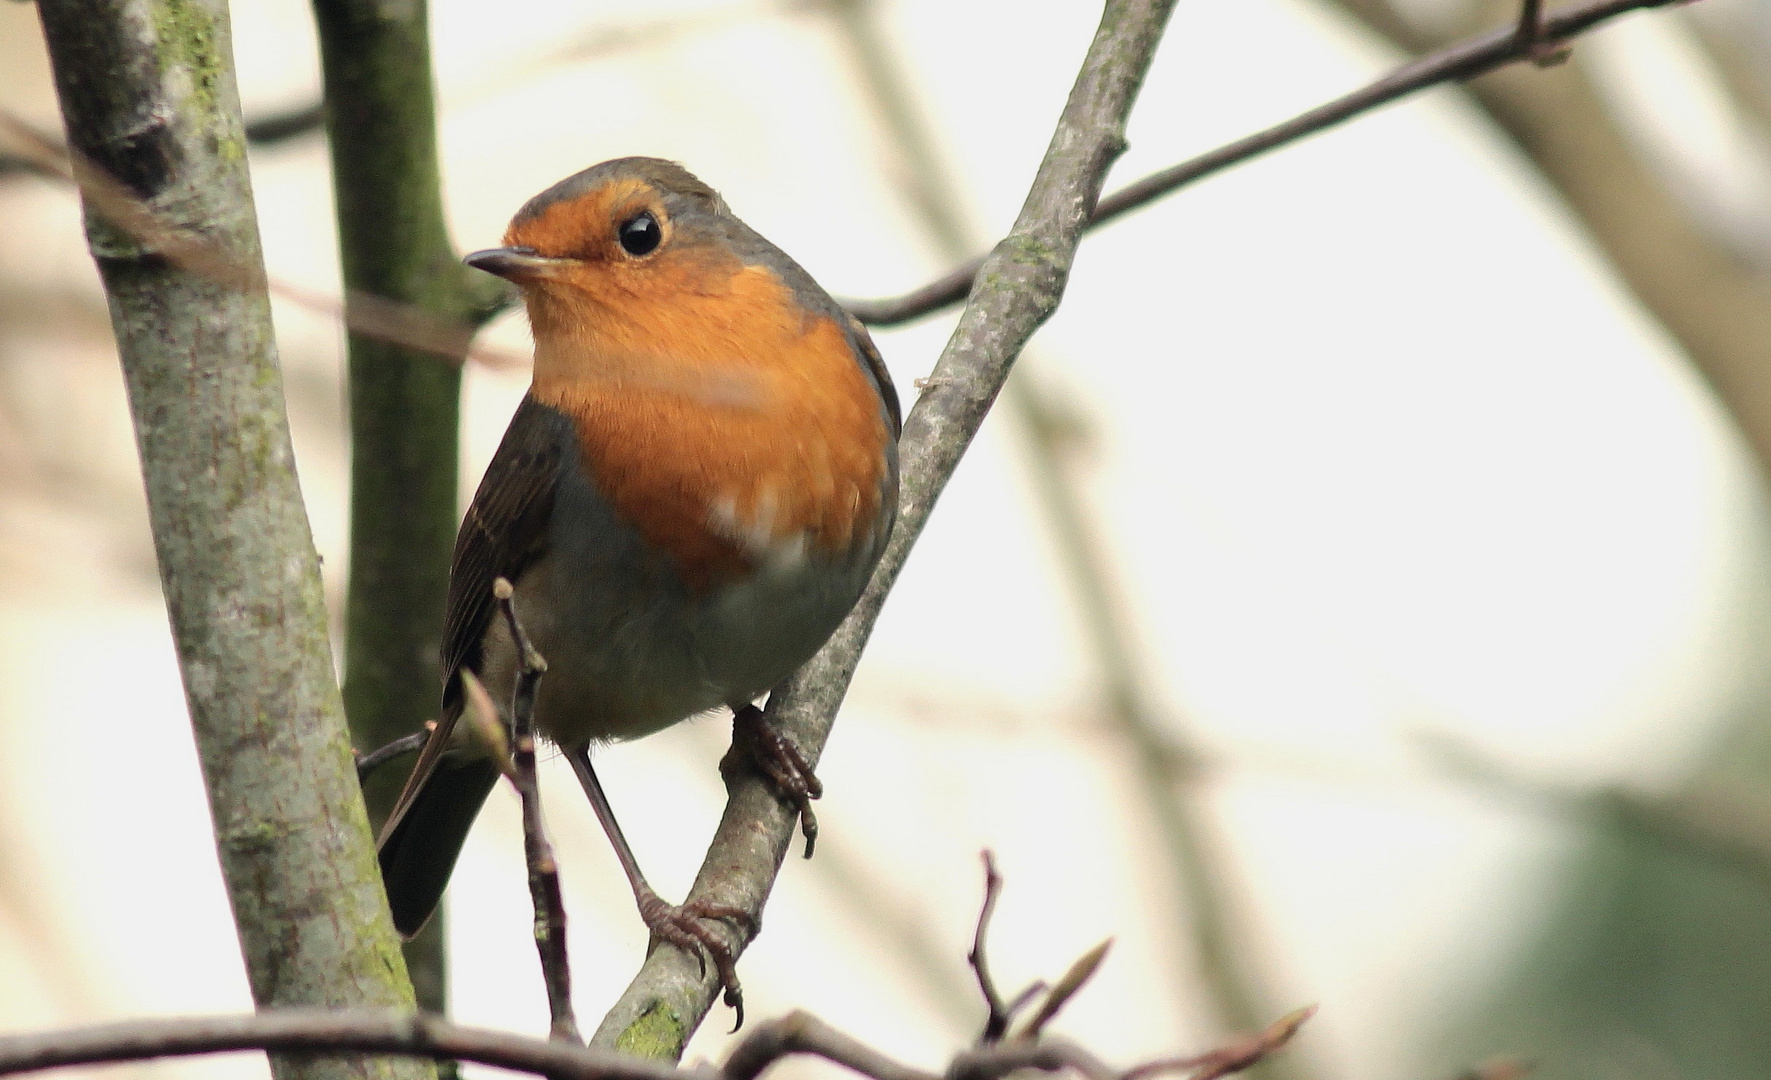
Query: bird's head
point(635, 266)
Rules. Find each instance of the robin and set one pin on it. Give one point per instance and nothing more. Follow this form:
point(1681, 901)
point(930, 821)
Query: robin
point(689, 499)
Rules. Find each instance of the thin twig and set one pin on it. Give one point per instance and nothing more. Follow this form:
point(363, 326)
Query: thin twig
point(1065, 988)
point(372, 1031)
point(371, 316)
point(1543, 50)
point(544, 874)
point(375, 759)
point(1530, 26)
point(1233, 1058)
point(1465, 60)
point(368, 1031)
point(802, 1033)
point(1024, 283)
point(1046, 1055)
point(996, 1023)
point(1025, 997)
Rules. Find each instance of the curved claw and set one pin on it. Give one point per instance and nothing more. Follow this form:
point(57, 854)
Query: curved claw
point(686, 927)
point(782, 765)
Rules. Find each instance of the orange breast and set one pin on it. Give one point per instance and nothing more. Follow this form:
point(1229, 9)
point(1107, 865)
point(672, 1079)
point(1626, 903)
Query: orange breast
point(723, 423)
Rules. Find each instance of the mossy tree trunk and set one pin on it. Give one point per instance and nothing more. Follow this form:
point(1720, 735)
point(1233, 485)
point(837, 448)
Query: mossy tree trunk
point(147, 90)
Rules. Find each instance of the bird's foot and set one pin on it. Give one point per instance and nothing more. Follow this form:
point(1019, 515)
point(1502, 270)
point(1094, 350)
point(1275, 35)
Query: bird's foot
point(687, 926)
point(781, 764)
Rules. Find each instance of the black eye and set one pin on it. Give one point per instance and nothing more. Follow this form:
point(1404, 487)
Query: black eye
point(640, 234)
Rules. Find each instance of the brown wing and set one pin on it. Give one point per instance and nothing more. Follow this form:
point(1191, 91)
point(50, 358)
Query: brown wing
point(504, 531)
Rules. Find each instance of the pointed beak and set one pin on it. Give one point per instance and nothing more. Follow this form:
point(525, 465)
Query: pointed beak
point(514, 263)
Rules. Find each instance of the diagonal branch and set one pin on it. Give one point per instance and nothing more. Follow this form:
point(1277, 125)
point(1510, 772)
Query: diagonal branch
point(1190, 842)
point(1023, 281)
point(1464, 60)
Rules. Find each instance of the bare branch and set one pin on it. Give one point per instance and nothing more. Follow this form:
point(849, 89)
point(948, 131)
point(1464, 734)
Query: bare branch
point(375, 759)
point(445, 338)
point(1465, 60)
point(544, 873)
point(1227, 969)
point(996, 1023)
point(802, 1033)
point(364, 1031)
point(1232, 1058)
point(311, 1031)
point(1046, 1055)
point(1025, 281)
point(1534, 34)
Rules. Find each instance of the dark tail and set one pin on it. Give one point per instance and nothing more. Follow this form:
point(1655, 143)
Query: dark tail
point(419, 855)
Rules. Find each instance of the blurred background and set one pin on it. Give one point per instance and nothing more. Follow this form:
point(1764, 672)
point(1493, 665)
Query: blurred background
point(1362, 598)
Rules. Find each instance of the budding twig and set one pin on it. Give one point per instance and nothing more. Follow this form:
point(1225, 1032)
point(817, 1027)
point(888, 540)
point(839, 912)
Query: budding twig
point(1065, 988)
point(544, 875)
point(1233, 1058)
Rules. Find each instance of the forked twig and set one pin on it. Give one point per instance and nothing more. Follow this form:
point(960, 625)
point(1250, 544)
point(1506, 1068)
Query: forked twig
point(1065, 988)
point(1002, 1014)
point(544, 875)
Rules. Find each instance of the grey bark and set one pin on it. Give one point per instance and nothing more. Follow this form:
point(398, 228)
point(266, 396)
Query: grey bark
point(1018, 288)
point(148, 94)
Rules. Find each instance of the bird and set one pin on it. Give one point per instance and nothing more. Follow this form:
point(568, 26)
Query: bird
point(688, 500)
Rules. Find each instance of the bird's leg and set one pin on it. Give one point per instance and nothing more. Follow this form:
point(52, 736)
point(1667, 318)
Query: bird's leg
point(682, 925)
point(781, 763)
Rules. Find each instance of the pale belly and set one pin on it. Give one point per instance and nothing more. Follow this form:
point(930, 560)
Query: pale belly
point(630, 650)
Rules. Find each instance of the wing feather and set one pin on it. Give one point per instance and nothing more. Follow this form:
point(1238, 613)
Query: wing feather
point(504, 532)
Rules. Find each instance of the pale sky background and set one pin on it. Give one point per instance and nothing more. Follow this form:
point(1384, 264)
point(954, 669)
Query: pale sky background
point(1381, 448)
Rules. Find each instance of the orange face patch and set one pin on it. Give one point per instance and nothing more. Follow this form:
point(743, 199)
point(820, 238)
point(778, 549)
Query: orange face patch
point(584, 227)
point(718, 417)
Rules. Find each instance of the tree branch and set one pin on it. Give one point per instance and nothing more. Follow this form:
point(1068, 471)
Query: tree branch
point(1718, 308)
point(404, 405)
point(1201, 879)
point(519, 768)
point(148, 93)
point(1022, 283)
point(311, 1031)
point(1464, 60)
